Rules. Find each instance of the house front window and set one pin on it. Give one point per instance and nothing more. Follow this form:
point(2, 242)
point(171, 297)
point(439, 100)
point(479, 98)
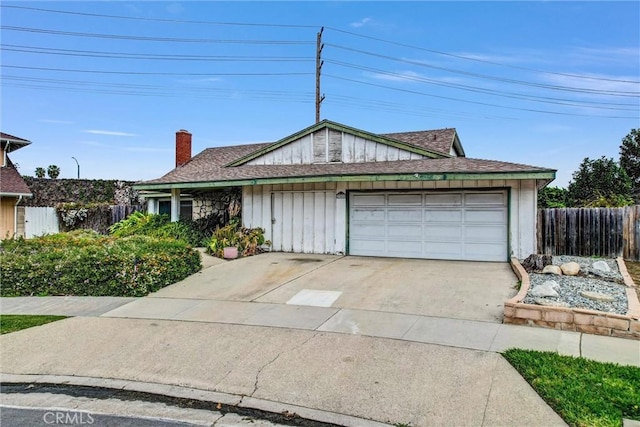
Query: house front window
point(186, 208)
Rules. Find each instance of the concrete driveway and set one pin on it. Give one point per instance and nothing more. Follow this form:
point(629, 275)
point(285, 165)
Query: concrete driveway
point(451, 289)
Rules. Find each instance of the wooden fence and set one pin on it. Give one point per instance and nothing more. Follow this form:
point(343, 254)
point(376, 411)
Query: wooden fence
point(607, 232)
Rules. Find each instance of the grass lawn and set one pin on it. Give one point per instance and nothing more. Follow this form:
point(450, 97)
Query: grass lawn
point(583, 392)
point(16, 322)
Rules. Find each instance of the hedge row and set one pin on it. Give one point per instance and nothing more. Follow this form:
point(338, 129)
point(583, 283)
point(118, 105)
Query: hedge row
point(84, 263)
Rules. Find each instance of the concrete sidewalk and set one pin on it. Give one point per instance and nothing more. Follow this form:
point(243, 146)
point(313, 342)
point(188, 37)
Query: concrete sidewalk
point(468, 334)
point(386, 380)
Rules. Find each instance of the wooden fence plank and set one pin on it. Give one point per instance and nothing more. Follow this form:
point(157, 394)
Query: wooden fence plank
point(607, 232)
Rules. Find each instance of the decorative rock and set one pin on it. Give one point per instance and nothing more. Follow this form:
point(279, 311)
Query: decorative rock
point(570, 268)
point(597, 296)
point(550, 303)
point(601, 266)
point(552, 269)
point(547, 289)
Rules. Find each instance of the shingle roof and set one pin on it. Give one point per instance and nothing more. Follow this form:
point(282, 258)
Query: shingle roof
point(209, 165)
point(12, 138)
point(439, 140)
point(14, 142)
point(11, 182)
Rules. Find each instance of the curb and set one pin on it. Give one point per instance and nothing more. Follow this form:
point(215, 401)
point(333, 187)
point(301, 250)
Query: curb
point(284, 410)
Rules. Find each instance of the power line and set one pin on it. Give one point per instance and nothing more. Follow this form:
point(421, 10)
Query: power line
point(468, 58)
point(163, 57)
point(488, 77)
point(471, 102)
point(153, 39)
point(512, 95)
point(147, 73)
point(177, 21)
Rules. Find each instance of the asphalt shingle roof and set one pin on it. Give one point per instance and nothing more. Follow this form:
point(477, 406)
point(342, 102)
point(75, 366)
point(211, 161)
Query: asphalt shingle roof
point(11, 181)
point(209, 165)
point(439, 140)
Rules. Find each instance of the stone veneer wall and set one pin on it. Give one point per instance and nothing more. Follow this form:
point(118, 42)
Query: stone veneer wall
point(574, 319)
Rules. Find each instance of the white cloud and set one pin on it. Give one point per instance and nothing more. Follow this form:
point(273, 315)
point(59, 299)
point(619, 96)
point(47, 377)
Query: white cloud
point(108, 132)
point(361, 23)
point(598, 82)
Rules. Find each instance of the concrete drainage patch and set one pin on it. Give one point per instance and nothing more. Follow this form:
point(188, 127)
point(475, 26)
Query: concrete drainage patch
point(315, 298)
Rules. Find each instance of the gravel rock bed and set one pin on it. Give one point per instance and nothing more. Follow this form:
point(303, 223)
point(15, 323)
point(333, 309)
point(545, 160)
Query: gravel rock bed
point(588, 280)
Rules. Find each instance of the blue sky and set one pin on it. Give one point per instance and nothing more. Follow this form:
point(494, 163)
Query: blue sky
point(109, 83)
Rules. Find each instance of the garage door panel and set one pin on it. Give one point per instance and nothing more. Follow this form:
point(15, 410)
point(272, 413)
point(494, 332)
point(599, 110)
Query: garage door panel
point(405, 215)
point(405, 199)
point(456, 225)
point(405, 248)
point(442, 231)
point(409, 231)
point(484, 233)
point(484, 252)
point(485, 216)
point(485, 198)
point(442, 215)
point(443, 199)
point(443, 250)
point(370, 214)
point(368, 247)
point(369, 230)
point(368, 200)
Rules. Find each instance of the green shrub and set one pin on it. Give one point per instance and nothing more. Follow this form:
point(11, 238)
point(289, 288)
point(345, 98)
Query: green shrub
point(159, 226)
point(249, 241)
point(85, 263)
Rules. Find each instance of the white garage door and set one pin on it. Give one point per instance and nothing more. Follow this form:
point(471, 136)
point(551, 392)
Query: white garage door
point(461, 225)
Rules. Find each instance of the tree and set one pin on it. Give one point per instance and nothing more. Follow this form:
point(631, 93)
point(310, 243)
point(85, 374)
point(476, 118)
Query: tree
point(630, 158)
point(53, 171)
point(40, 172)
point(599, 182)
point(552, 197)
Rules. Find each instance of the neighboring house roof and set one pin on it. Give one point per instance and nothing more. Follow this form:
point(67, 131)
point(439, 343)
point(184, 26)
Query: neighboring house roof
point(441, 140)
point(11, 142)
point(11, 183)
point(226, 166)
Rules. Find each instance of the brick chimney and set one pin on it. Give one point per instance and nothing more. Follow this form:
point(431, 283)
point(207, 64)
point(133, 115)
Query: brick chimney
point(183, 147)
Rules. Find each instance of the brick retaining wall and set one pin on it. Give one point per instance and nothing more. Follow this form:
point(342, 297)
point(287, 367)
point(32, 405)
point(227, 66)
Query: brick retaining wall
point(574, 319)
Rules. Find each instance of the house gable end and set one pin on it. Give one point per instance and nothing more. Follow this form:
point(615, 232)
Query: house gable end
point(329, 142)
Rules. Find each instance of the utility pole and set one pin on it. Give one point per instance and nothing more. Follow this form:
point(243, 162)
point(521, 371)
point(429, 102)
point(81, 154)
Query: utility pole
point(319, 62)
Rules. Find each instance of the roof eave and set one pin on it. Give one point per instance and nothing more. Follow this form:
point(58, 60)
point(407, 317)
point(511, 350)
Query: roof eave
point(8, 194)
point(439, 176)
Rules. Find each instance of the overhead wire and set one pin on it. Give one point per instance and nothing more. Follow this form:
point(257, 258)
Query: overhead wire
point(468, 101)
point(150, 56)
point(119, 55)
point(153, 39)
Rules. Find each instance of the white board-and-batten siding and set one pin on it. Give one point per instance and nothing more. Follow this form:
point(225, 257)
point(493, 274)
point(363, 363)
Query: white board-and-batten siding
point(310, 219)
point(331, 146)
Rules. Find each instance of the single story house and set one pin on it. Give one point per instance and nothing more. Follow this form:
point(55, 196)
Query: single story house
point(334, 189)
point(13, 189)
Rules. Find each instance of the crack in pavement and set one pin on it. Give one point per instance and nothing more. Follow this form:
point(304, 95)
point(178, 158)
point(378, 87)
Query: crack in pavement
point(255, 384)
point(493, 375)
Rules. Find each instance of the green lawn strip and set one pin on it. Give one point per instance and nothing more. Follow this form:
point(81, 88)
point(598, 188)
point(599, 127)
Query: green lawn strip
point(583, 392)
point(15, 322)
